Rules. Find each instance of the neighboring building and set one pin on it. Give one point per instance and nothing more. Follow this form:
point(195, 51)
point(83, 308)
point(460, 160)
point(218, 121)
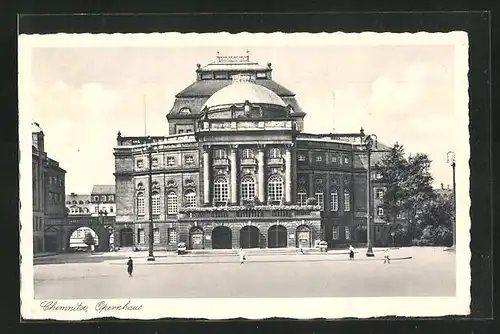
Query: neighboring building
point(86, 211)
point(48, 195)
point(237, 170)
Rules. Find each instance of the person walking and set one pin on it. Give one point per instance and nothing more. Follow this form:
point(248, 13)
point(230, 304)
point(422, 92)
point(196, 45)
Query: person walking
point(351, 252)
point(386, 256)
point(130, 266)
point(241, 253)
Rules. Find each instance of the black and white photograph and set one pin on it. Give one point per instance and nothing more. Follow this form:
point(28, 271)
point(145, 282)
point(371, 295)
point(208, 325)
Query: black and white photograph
point(244, 175)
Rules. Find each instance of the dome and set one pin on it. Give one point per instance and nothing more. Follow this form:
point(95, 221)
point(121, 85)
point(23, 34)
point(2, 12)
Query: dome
point(239, 92)
point(35, 127)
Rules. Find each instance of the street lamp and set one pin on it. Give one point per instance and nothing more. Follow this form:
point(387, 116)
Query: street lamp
point(149, 150)
point(450, 159)
point(369, 141)
point(102, 214)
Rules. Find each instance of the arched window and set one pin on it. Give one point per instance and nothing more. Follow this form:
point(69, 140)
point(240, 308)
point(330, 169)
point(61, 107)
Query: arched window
point(302, 196)
point(320, 198)
point(220, 154)
point(247, 153)
point(274, 153)
point(221, 190)
point(247, 188)
point(334, 200)
point(156, 203)
point(275, 188)
point(347, 200)
point(140, 204)
point(171, 202)
point(190, 197)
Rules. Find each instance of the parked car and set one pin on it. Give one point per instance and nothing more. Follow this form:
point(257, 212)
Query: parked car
point(322, 246)
point(181, 248)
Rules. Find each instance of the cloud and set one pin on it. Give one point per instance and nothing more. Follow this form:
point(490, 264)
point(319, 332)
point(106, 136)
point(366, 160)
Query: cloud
point(95, 99)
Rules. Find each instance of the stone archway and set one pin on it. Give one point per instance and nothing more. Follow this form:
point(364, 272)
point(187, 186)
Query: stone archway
point(303, 236)
point(277, 237)
point(249, 237)
point(222, 238)
point(76, 238)
point(196, 238)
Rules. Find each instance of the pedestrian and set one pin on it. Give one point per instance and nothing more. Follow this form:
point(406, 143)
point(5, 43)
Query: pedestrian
point(241, 253)
point(130, 266)
point(386, 256)
point(301, 249)
point(351, 252)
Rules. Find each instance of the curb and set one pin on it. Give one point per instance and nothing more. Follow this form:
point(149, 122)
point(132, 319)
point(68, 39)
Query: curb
point(260, 261)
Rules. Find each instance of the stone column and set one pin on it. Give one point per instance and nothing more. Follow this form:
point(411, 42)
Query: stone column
point(206, 176)
point(288, 174)
point(260, 166)
point(234, 175)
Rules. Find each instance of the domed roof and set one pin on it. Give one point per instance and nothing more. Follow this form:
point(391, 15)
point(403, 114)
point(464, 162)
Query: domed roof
point(35, 127)
point(239, 92)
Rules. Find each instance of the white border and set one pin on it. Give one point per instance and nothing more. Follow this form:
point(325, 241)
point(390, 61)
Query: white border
point(255, 308)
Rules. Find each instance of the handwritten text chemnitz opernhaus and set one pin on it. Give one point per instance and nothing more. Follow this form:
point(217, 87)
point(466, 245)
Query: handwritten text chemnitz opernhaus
point(102, 306)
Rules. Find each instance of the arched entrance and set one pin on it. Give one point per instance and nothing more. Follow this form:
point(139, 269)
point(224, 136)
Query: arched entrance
point(276, 237)
point(196, 238)
point(82, 238)
point(361, 234)
point(249, 237)
point(303, 236)
point(222, 238)
point(126, 237)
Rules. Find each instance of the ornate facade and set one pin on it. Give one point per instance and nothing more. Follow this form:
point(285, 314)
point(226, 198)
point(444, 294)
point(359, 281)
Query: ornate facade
point(237, 170)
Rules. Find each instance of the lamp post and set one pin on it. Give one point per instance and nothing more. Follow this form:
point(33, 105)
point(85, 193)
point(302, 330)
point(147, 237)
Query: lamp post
point(450, 159)
point(149, 149)
point(369, 145)
point(102, 214)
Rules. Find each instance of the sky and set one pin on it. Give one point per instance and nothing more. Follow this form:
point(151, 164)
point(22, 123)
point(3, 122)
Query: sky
point(83, 96)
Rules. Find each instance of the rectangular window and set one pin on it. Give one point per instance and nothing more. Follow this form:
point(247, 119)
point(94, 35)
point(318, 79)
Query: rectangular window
point(319, 158)
point(321, 200)
point(96, 209)
point(347, 233)
point(274, 153)
point(140, 204)
point(261, 75)
point(156, 203)
point(380, 211)
point(378, 229)
point(189, 160)
point(140, 164)
point(302, 157)
point(96, 198)
point(334, 201)
point(335, 233)
point(111, 198)
point(222, 75)
point(180, 131)
point(111, 209)
point(140, 236)
point(172, 203)
point(156, 235)
point(346, 160)
point(188, 130)
point(301, 198)
point(380, 194)
point(334, 158)
point(172, 236)
point(347, 202)
point(154, 163)
point(103, 198)
point(170, 161)
point(206, 76)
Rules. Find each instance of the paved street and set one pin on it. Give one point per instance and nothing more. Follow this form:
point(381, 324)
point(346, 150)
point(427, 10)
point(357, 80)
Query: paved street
point(418, 272)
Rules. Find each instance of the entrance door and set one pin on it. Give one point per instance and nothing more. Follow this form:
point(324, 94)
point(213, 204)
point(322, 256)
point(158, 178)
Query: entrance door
point(196, 238)
point(222, 238)
point(304, 236)
point(277, 237)
point(126, 237)
point(249, 237)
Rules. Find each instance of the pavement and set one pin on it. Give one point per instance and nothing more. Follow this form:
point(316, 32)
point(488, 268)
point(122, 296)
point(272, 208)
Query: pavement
point(414, 271)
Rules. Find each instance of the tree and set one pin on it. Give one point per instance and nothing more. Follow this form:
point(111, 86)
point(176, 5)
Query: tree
point(408, 189)
point(437, 220)
point(89, 239)
point(391, 169)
